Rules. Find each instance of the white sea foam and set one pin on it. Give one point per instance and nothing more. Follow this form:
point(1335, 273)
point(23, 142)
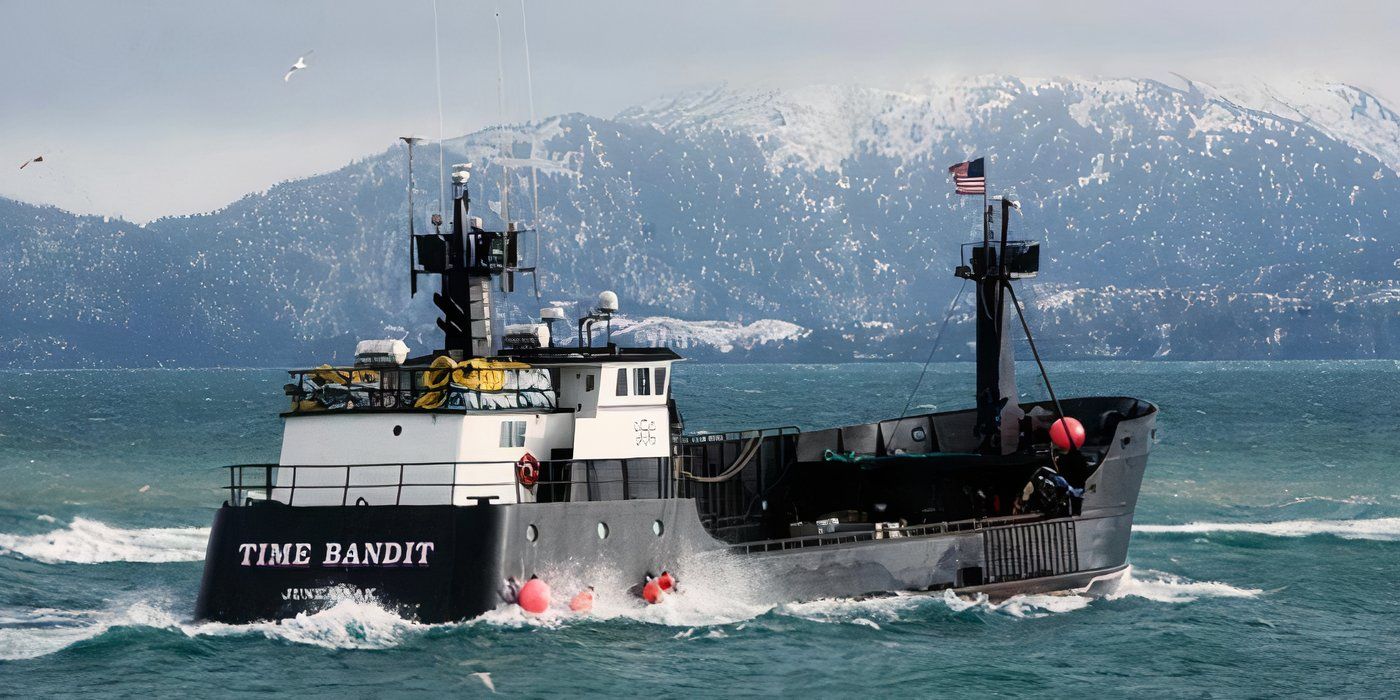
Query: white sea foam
point(1383, 529)
point(1030, 605)
point(1169, 588)
point(86, 541)
point(39, 632)
point(365, 625)
point(345, 625)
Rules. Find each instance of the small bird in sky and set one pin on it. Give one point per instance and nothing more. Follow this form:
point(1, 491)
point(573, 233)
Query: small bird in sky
point(299, 65)
point(35, 159)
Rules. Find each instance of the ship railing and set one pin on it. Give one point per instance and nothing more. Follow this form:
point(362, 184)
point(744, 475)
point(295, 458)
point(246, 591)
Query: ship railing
point(429, 483)
point(726, 507)
point(703, 438)
point(883, 533)
point(395, 388)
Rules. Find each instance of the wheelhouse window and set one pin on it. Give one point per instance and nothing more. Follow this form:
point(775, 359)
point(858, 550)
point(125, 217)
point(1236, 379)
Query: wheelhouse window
point(643, 381)
point(512, 433)
point(660, 381)
point(589, 380)
point(622, 382)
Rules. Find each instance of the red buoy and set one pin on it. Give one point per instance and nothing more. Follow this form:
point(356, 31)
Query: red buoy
point(1067, 433)
point(534, 596)
point(652, 592)
point(666, 581)
point(583, 602)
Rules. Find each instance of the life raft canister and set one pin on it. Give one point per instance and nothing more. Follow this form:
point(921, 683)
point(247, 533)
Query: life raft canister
point(527, 470)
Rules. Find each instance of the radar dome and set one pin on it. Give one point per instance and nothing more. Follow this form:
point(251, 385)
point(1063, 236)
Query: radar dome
point(607, 302)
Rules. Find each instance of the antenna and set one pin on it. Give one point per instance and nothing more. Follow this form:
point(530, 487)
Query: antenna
point(412, 276)
point(437, 67)
point(501, 108)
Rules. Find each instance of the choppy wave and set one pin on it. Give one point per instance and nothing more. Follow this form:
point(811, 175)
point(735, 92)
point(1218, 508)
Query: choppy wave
point(365, 625)
point(1383, 529)
point(347, 625)
point(40, 632)
point(86, 541)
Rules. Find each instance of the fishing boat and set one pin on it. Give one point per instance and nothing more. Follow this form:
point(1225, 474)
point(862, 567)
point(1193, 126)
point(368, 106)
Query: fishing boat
point(428, 484)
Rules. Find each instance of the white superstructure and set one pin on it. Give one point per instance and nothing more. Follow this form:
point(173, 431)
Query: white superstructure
point(611, 409)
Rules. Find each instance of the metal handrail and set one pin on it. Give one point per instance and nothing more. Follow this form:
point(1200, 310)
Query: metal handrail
point(697, 438)
point(240, 490)
point(921, 530)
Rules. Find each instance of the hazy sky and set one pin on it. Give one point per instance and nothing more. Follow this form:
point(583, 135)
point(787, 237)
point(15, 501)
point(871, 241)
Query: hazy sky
point(150, 108)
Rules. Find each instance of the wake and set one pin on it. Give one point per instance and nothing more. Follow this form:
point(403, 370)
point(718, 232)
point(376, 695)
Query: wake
point(86, 541)
point(1380, 529)
point(361, 625)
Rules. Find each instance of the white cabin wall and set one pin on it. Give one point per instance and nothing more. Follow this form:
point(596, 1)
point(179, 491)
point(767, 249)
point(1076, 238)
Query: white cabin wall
point(481, 442)
point(434, 441)
point(368, 438)
point(573, 388)
point(627, 426)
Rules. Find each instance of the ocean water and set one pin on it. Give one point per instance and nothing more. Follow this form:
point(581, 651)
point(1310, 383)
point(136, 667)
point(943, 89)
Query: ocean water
point(1266, 556)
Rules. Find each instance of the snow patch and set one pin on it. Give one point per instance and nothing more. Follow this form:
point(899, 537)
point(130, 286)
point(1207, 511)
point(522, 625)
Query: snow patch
point(725, 336)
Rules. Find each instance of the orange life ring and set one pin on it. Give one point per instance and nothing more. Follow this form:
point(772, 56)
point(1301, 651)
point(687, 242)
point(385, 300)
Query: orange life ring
point(527, 470)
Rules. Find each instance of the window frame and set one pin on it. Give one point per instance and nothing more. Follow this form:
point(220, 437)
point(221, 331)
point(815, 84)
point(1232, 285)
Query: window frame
point(512, 433)
point(658, 381)
point(621, 389)
point(641, 381)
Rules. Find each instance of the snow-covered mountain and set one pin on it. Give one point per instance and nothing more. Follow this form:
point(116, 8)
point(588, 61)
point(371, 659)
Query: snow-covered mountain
point(1178, 221)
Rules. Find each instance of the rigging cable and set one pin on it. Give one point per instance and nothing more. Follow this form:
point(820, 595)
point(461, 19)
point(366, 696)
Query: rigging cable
point(1035, 353)
point(437, 67)
point(534, 133)
point(936, 339)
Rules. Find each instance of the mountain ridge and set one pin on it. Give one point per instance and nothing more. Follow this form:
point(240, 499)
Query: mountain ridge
point(1177, 223)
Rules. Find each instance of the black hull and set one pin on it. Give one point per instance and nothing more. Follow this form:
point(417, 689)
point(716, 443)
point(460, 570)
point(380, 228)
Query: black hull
point(453, 579)
point(445, 563)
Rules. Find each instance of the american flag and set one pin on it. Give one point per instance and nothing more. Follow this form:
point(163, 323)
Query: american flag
point(970, 177)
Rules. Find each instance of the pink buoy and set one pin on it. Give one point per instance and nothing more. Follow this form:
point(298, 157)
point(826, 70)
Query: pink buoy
point(534, 596)
point(583, 602)
point(1067, 433)
point(652, 592)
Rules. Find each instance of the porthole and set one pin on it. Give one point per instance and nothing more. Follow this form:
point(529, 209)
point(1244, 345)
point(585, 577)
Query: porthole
point(918, 434)
point(532, 533)
point(657, 528)
point(602, 531)
point(398, 430)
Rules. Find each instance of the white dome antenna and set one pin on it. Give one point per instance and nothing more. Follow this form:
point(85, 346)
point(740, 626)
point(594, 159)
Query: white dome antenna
point(607, 302)
point(461, 173)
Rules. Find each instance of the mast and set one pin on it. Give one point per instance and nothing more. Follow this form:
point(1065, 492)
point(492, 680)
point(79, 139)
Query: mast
point(992, 265)
point(470, 261)
point(412, 278)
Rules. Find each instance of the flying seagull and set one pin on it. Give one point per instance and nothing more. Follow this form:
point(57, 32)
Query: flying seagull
point(35, 159)
point(300, 64)
point(485, 679)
